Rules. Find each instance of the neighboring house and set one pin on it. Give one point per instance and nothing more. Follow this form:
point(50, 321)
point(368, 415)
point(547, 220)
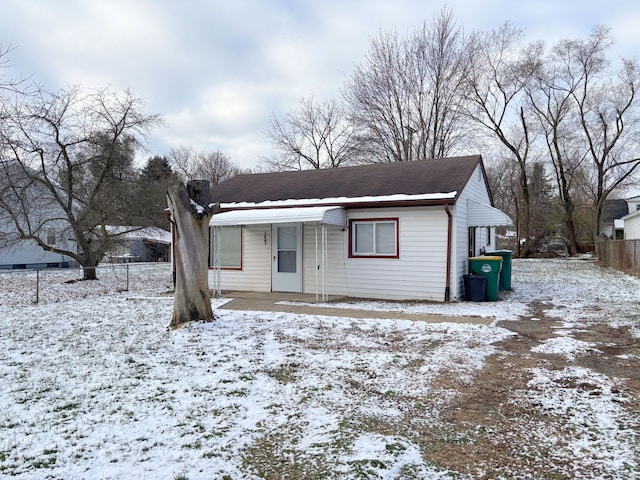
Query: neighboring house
point(27, 205)
point(28, 254)
point(615, 216)
point(137, 244)
point(398, 231)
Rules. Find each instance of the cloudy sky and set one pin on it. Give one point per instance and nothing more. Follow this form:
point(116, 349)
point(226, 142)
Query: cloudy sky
point(217, 70)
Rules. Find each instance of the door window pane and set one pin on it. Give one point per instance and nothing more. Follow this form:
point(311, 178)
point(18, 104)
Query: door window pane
point(286, 238)
point(287, 261)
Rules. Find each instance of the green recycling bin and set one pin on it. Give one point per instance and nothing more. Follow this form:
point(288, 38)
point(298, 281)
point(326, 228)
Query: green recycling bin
point(489, 267)
point(505, 273)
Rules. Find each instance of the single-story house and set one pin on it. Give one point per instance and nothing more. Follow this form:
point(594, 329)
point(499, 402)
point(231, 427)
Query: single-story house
point(397, 231)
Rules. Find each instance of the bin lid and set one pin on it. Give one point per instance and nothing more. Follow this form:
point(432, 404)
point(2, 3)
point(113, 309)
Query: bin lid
point(485, 258)
point(501, 252)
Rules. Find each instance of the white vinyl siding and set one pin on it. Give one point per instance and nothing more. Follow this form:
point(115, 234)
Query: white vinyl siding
point(476, 190)
point(632, 228)
point(419, 272)
point(255, 275)
point(30, 254)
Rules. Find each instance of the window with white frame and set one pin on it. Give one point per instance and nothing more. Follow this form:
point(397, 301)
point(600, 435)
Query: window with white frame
point(230, 239)
point(374, 238)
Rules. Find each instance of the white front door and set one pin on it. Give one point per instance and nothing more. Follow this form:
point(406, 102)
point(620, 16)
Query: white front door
point(286, 267)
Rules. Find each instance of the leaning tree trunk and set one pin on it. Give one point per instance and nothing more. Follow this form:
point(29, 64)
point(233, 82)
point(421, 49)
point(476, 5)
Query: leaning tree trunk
point(190, 210)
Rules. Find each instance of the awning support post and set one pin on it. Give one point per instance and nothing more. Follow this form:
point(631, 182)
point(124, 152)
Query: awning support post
point(325, 264)
point(217, 270)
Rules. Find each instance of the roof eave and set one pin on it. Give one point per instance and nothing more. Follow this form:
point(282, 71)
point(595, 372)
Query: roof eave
point(352, 205)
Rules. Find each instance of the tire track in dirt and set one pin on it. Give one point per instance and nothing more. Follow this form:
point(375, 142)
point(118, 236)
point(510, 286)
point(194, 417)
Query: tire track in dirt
point(506, 436)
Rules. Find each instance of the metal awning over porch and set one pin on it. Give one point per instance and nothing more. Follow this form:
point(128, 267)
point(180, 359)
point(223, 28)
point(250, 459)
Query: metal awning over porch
point(320, 217)
point(328, 215)
point(481, 215)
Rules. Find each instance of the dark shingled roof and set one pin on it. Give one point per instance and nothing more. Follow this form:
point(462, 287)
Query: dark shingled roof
point(613, 209)
point(380, 179)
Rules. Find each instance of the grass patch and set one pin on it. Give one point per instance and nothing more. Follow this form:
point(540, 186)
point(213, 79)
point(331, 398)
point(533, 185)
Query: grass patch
point(66, 407)
point(270, 458)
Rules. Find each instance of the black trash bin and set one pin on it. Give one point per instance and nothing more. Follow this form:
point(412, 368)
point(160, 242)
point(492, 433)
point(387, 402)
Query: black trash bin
point(475, 287)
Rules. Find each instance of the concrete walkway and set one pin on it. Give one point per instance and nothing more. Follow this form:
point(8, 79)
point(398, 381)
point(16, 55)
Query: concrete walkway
point(308, 305)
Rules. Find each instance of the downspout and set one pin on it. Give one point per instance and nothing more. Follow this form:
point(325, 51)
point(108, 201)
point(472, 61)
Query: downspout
point(447, 288)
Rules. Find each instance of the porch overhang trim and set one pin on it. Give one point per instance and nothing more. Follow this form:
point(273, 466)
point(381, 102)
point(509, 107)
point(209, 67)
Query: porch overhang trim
point(481, 215)
point(330, 215)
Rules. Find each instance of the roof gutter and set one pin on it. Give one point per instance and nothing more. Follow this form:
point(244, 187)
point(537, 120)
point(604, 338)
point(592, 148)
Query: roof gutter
point(447, 288)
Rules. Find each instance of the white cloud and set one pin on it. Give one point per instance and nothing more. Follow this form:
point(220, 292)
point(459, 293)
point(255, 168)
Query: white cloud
point(218, 69)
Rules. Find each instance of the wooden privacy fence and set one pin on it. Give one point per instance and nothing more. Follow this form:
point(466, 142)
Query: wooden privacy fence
point(623, 255)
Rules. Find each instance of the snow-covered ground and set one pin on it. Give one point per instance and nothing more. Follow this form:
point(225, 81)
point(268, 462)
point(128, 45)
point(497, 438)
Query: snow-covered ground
point(95, 386)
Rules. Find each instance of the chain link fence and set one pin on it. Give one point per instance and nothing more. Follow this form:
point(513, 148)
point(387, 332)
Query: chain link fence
point(623, 255)
point(24, 287)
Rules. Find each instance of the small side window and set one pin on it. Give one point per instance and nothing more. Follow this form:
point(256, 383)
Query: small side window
point(51, 236)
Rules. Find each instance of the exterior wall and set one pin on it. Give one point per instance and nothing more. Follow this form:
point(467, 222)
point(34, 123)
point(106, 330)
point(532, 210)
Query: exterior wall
point(632, 228)
point(476, 189)
point(418, 273)
point(255, 275)
point(336, 255)
point(27, 253)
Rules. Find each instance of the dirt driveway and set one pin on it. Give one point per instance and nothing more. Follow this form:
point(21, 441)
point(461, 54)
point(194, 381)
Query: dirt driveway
point(506, 436)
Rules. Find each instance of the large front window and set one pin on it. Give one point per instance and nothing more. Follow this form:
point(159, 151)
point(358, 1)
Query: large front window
point(230, 249)
point(374, 238)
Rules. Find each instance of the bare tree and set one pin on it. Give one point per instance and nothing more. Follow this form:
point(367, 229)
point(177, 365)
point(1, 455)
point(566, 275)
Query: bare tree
point(191, 208)
point(65, 159)
point(588, 115)
point(9, 83)
point(437, 66)
point(551, 102)
point(608, 114)
point(315, 135)
point(192, 164)
point(405, 99)
point(501, 67)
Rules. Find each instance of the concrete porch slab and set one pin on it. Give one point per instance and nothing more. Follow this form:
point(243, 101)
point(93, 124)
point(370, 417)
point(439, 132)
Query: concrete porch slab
point(270, 302)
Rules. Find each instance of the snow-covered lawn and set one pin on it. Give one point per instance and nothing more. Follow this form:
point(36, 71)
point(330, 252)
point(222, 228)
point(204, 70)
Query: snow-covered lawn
point(95, 386)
